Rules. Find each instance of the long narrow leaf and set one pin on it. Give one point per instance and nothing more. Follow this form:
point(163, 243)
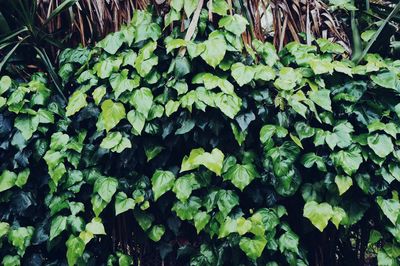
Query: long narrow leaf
point(42, 54)
point(64, 5)
point(12, 35)
point(7, 56)
point(378, 32)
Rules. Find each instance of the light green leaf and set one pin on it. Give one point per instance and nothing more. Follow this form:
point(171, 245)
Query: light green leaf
point(137, 120)
point(350, 160)
point(121, 83)
point(230, 105)
point(111, 140)
point(123, 203)
point(253, 247)
point(171, 107)
point(190, 6)
point(318, 214)
point(242, 74)
point(390, 207)
point(95, 227)
point(75, 249)
point(27, 124)
point(172, 44)
point(58, 225)
point(321, 98)
point(142, 100)
point(213, 161)
point(7, 180)
point(243, 226)
point(382, 145)
point(112, 113)
point(106, 187)
point(156, 232)
point(188, 209)
point(265, 73)
point(183, 186)
point(5, 84)
point(201, 219)
point(235, 24)
point(112, 42)
point(162, 181)
point(288, 78)
point(241, 175)
point(214, 52)
point(343, 183)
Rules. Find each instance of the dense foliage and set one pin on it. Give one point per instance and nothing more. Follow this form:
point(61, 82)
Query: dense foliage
point(210, 151)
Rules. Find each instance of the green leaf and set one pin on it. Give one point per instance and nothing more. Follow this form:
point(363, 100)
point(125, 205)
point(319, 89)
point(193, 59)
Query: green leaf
point(5, 84)
point(144, 219)
point(382, 145)
point(58, 225)
point(177, 4)
point(230, 105)
point(213, 161)
point(105, 68)
point(111, 140)
point(27, 125)
point(338, 215)
point(289, 241)
point(9, 260)
point(242, 74)
point(390, 207)
point(265, 73)
point(190, 7)
point(321, 66)
point(171, 107)
point(288, 78)
point(112, 42)
point(145, 31)
point(226, 200)
point(95, 227)
point(172, 44)
point(137, 120)
point(253, 247)
point(183, 186)
point(309, 159)
point(188, 209)
point(241, 175)
point(214, 52)
point(123, 203)
point(142, 100)
point(235, 24)
point(326, 46)
point(201, 219)
point(318, 214)
point(156, 232)
point(243, 226)
point(112, 113)
point(343, 183)
point(146, 59)
point(75, 249)
point(7, 180)
point(121, 83)
point(162, 181)
point(387, 80)
point(321, 98)
point(350, 160)
point(106, 187)
point(219, 7)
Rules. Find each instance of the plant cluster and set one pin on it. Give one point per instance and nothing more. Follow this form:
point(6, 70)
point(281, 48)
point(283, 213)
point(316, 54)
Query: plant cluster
point(209, 150)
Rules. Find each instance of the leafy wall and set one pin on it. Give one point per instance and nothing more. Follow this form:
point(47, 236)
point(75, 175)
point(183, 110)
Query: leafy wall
point(209, 151)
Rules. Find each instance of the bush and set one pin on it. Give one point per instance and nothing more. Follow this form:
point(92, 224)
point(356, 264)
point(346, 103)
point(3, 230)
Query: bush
point(211, 151)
